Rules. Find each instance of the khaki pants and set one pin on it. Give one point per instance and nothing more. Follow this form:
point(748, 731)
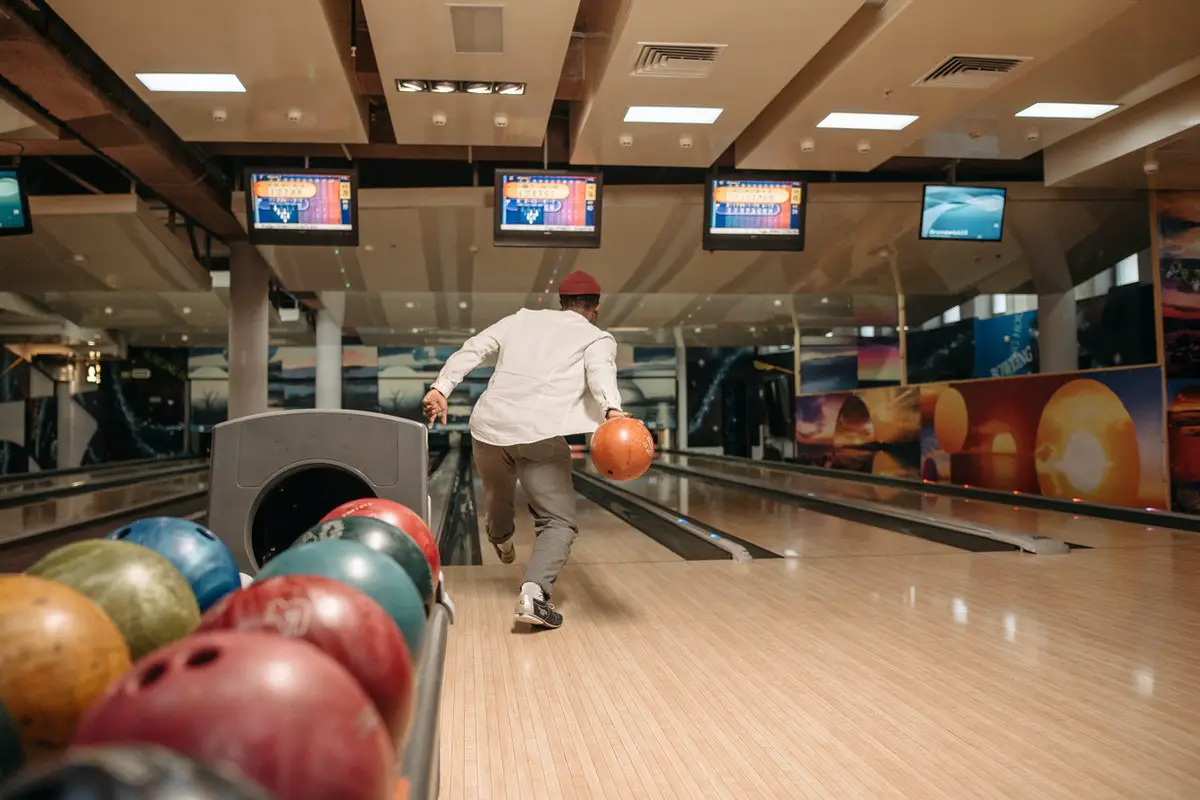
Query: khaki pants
point(544, 469)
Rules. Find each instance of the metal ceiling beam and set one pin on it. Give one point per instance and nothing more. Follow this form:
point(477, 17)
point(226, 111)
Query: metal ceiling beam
point(49, 67)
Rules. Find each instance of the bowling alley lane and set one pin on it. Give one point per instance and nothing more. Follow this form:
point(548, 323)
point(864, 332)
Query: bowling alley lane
point(961, 675)
point(54, 481)
point(39, 517)
point(603, 538)
point(1088, 531)
point(780, 527)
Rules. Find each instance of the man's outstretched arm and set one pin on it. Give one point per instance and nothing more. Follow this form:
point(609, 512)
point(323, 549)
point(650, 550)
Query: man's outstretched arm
point(473, 353)
point(600, 367)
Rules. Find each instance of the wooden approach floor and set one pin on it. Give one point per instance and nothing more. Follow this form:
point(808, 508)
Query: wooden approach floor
point(874, 672)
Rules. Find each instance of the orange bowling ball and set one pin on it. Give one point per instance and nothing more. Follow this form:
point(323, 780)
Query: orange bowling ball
point(622, 449)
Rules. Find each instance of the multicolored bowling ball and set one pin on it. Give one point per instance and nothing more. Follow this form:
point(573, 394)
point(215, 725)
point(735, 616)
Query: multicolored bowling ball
point(58, 652)
point(622, 449)
point(402, 517)
point(149, 600)
point(382, 537)
point(347, 625)
point(284, 713)
point(370, 572)
point(195, 551)
point(130, 773)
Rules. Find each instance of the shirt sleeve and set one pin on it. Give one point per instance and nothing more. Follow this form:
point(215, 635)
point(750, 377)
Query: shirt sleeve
point(473, 353)
point(600, 365)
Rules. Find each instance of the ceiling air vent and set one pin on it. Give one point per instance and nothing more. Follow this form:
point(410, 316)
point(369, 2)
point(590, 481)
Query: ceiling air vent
point(971, 72)
point(477, 29)
point(676, 60)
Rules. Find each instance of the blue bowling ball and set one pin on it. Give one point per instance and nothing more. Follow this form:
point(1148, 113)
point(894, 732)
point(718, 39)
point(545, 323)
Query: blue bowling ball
point(369, 571)
point(195, 551)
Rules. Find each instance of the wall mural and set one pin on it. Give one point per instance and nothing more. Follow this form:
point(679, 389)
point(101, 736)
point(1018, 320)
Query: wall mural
point(1178, 215)
point(1094, 437)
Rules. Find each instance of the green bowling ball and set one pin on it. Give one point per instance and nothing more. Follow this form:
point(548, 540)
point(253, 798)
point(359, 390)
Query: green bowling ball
point(150, 601)
point(382, 538)
point(371, 572)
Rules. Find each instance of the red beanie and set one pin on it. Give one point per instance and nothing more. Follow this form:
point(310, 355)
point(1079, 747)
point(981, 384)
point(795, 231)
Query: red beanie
point(578, 282)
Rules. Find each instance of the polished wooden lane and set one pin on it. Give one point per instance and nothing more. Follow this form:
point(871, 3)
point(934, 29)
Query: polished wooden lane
point(49, 515)
point(780, 527)
point(602, 537)
point(1089, 531)
point(951, 676)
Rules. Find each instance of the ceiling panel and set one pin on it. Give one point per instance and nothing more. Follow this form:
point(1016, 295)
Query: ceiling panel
point(873, 66)
point(97, 242)
point(416, 40)
point(1146, 50)
point(657, 54)
point(291, 55)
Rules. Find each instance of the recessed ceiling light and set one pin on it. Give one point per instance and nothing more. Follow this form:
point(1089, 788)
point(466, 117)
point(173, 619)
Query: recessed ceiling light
point(369, 248)
point(91, 343)
point(108, 309)
point(410, 304)
point(190, 82)
point(824, 301)
point(695, 330)
point(510, 88)
point(186, 309)
point(478, 87)
point(416, 330)
point(404, 85)
point(1067, 110)
point(778, 303)
point(828, 334)
point(183, 338)
point(846, 120)
point(444, 87)
point(673, 115)
point(79, 258)
point(462, 303)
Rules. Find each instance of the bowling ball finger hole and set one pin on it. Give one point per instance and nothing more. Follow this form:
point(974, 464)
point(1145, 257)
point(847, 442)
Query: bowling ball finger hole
point(122, 534)
point(207, 534)
point(202, 657)
point(152, 675)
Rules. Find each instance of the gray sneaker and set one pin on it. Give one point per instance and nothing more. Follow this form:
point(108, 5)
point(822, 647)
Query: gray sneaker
point(537, 611)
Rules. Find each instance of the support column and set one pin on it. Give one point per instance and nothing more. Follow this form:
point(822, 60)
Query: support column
point(1058, 340)
point(681, 392)
point(64, 455)
point(329, 349)
point(249, 330)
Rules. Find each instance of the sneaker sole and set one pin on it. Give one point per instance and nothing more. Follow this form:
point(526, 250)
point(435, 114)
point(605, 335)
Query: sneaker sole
point(512, 555)
point(537, 622)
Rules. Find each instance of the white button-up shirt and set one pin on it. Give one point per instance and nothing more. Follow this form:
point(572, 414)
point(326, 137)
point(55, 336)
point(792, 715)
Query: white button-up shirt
point(556, 375)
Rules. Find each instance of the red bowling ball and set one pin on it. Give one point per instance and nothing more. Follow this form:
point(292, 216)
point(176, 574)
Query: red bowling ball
point(344, 623)
point(399, 515)
point(281, 711)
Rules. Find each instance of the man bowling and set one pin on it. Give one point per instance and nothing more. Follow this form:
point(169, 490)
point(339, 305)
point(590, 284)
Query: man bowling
point(555, 376)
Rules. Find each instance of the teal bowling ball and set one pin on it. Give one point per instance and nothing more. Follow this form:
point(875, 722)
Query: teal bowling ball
point(382, 538)
point(371, 572)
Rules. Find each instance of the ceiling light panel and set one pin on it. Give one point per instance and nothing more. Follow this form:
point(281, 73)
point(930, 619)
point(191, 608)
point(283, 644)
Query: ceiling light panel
point(1067, 110)
point(853, 121)
point(190, 82)
point(673, 115)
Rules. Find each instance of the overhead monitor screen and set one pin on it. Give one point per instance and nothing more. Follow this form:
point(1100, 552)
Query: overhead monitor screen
point(754, 213)
point(967, 213)
point(302, 207)
point(548, 203)
point(14, 205)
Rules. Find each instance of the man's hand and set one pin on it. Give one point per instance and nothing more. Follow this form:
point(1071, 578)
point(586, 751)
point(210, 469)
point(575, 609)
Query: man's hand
point(434, 405)
point(612, 413)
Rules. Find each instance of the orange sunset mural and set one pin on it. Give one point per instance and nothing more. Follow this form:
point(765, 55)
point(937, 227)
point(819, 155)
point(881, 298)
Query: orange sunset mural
point(1094, 438)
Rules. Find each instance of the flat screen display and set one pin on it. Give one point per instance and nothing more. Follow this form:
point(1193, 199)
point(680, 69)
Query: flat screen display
point(14, 205)
point(547, 209)
point(749, 212)
point(302, 207)
point(965, 213)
